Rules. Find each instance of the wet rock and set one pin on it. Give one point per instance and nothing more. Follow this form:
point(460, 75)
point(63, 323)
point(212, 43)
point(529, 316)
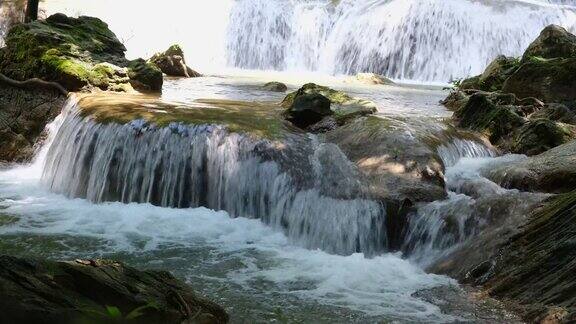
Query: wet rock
point(495, 121)
point(554, 41)
point(275, 86)
point(79, 53)
point(172, 63)
point(494, 76)
point(144, 76)
point(550, 80)
point(455, 100)
point(556, 112)
point(97, 291)
point(552, 171)
point(540, 135)
point(344, 107)
point(308, 109)
point(370, 79)
point(23, 116)
point(378, 147)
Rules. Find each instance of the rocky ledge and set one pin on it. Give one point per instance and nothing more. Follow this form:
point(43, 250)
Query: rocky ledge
point(97, 291)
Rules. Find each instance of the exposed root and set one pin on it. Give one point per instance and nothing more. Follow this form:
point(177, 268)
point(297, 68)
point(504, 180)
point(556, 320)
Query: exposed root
point(32, 84)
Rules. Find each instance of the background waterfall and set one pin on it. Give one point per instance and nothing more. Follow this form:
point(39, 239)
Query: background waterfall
point(423, 40)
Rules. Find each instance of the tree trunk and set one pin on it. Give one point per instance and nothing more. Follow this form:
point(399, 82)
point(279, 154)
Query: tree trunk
point(31, 10)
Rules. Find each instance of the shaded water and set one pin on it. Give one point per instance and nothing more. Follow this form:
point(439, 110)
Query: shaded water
point(260, 273)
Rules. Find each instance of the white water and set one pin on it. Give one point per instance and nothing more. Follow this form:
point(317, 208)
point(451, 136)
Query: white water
point(424, 40)
point(381, 286)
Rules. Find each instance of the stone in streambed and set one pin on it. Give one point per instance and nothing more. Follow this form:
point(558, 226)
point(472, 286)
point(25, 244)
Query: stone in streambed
point(275, 86)
point(172, 63)
point(540, 135)
point(97, 291)
point(308, 109)
point(554, 41)
point(344, 108)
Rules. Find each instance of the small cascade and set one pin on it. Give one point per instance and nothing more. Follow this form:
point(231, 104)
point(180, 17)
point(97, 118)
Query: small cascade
point(473, 203)
point(450, 153)
point(190, 166)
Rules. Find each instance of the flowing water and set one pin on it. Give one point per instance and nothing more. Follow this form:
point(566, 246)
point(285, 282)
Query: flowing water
point(304, 260)
point(263, 233)
point(423, 40)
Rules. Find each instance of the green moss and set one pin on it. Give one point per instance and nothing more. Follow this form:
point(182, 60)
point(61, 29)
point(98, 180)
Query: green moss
point(344, 106)
point(75, 52)
point(259, 119)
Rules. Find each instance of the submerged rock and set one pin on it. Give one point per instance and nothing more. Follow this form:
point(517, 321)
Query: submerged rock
point(172, 63)
point(275, 86)
point(75, 52)
point(97, 291)
point(370, 79)
point(343, 107)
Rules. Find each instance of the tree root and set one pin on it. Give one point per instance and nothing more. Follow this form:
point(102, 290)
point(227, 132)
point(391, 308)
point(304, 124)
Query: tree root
point(32, 84)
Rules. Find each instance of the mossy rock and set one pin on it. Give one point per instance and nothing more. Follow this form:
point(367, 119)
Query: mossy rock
point(493, 76)
point(145, 75)
point(75, 52)
point(540, 135)
point(554, 42)
point(482, 115)
point(172, 63)
point(262, 120)
point(550, 80)
point(343, 106)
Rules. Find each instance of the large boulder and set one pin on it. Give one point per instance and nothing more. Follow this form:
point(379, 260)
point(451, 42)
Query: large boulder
point(552, 171)
point(551, 80)
point(540, 135)
point(344, 107)
point(97, 291)
point(78, 53)
point(554, 41)
point(172, 63)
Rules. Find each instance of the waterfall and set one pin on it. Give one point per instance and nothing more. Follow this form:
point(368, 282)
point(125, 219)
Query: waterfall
point(312, 199)
point(423, 40)
point(474, 203)
point(426, 40)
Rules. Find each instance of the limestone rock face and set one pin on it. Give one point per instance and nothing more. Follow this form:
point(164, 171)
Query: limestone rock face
point(172, 63)
point(97, 291)
point(79, 53)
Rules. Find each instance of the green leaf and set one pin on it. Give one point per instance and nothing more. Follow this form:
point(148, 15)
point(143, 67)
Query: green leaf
point(113, 312)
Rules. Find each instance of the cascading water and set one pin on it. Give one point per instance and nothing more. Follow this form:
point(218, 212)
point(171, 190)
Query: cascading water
point(473, 203)
point(423, 40)
point(191, 166)
point(427, 40)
